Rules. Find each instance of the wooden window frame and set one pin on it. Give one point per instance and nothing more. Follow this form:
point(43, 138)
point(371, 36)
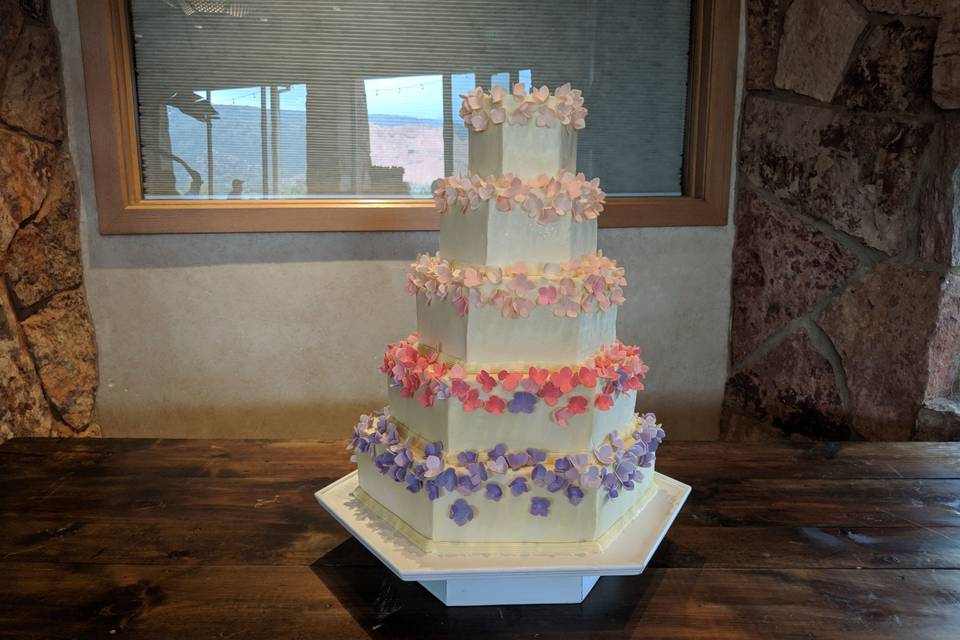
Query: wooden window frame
point(122, 209)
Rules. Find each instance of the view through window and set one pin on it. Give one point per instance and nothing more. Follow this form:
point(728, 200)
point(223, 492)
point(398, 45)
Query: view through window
point(299, 98)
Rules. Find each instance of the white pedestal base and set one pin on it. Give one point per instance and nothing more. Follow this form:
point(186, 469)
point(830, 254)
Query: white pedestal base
point(466, 592)
point(471, 580)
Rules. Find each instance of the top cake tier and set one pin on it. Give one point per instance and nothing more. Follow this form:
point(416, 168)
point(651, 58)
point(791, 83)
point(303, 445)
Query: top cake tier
point(524, 135)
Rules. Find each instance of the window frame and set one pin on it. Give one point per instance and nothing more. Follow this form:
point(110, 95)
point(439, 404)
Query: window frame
point(122, 209)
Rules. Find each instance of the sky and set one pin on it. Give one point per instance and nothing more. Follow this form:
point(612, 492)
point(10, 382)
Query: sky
point(412, 96)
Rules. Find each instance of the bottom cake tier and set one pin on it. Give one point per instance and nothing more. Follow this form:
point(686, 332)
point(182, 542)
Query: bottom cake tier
point(500, 495)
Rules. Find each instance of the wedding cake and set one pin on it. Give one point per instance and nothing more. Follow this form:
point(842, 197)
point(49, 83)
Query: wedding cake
point(511, 415)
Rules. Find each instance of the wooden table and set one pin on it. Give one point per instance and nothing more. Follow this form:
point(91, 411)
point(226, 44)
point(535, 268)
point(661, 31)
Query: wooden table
point(180, 539)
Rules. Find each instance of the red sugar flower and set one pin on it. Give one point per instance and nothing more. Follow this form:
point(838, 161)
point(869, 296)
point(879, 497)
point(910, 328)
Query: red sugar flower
point(495, 405)
point(603, 401)
point(486, 381)
point(509, 381)
point(563, 379)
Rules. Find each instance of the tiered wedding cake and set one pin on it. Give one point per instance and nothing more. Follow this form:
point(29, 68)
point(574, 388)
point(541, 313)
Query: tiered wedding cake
point(511, 415)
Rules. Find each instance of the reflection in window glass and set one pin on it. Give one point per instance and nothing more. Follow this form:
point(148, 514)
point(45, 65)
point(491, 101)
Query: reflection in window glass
point(307, 98)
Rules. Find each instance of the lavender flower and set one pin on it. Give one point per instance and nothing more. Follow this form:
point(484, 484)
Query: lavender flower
point(518, 486)
point(518, 460)
point(447, 479)
point(523, 402)
point(539, 507)
point(494, 492)
point(466, 457)
point(574, 495)
point(536, 455)
point(497, 452)
point(461, 512)
point(556, 484)
point(413, 483)
point(499, 465)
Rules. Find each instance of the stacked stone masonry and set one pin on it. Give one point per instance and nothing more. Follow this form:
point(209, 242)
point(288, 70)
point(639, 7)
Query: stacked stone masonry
point(48, 357)
point(846, 287)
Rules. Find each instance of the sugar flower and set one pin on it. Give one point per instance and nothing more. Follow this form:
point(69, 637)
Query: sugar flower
point(461, 512)
point(539, 507)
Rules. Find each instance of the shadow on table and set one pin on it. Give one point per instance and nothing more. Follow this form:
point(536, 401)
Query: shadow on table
point(386, 606)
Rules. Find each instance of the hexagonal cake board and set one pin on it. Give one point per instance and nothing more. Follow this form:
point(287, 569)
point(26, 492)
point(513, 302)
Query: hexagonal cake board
point(486, 579)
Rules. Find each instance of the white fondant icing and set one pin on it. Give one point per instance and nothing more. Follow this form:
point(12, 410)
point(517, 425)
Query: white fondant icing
point(509, 519)
point(491, 237)
point(525, 150)
point(483, 337)
point(459, 430)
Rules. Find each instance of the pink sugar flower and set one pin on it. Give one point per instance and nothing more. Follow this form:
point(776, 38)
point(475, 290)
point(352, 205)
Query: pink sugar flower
point(548, 295)
point(519, 91)
point(520, 284)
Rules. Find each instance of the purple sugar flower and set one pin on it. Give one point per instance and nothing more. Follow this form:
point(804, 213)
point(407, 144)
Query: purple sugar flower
point(648, 459)
point(433, 449)
point(441, 390)
point(539, 507)
point(494, 492)
point(467, 485)
point(536, 455)
point(466, 457)
point(540, 476)
point(574, 495)
point(497, 452)
point(517, 460)
point(562, 465)
point(625, 470)
point(461, 512)
point(591, 478)
point(497, 466)
point(433, 467)
point(518, 486)
point(447, 479)
point(477, 471)
point(433, 491)
point(399, 473)
point(604, 454)
point(413, 483)
point(556, 484)
point(523, 402)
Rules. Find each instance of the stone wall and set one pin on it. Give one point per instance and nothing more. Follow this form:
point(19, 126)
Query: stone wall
point(846, 287)
point(48, 360)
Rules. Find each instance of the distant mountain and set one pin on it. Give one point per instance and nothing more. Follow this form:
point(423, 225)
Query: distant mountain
point(237, 152)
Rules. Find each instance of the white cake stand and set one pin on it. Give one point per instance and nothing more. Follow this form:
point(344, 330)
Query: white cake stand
point(472, 579)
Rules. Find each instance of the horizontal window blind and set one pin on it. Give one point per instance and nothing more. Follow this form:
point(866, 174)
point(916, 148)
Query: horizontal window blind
point(359, 99)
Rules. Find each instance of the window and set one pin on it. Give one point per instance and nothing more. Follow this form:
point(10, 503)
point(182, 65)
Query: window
point(304, 115)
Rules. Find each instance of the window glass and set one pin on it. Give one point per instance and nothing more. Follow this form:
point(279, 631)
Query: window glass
point(359, 98)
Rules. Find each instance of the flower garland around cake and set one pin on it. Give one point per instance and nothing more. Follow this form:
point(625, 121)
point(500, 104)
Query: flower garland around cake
point(480, 109)
point(585, 284)
point(616, 369)
point(614, 466)
point(546, 198)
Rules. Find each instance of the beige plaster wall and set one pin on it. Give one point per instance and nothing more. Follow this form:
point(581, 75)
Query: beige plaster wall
point(280, 335)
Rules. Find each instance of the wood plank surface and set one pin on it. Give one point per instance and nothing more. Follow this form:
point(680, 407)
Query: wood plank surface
point(223, 539)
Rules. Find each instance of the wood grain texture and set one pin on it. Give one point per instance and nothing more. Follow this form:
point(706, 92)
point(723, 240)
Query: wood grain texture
point(220, 539)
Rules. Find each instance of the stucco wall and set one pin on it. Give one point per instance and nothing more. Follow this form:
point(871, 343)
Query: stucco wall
point(279, 335)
